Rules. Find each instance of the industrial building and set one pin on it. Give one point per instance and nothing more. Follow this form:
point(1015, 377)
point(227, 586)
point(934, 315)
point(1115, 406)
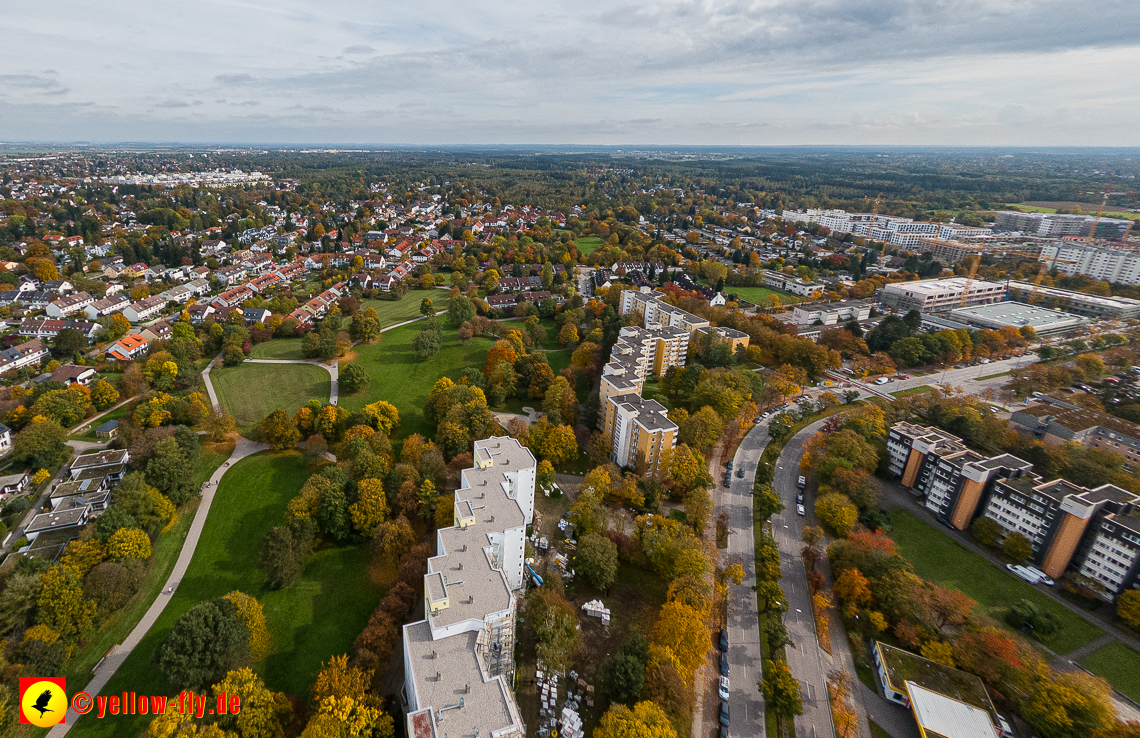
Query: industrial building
point(941, 295)
point(1018, 315)
point(459, 660)
point(1077, 303)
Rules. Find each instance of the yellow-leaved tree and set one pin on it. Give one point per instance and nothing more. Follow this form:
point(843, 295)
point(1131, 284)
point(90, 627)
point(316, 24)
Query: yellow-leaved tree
point(128, 543)
point(680, 638)
point(250, 613)
point(371, 509)
point(645, 720)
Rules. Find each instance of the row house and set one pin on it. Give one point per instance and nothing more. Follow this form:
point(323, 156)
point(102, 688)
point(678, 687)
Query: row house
point(230, 275)
point(264, 282)
point(107, 306)
point(233, 297)
point(29, 353)
point(69, 304)
point(291, 272)
point(144, 309)
point(180, 294)
point(50, 327)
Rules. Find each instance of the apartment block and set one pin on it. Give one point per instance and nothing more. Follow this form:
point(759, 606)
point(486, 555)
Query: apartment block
point(656, 312)
point(1111, 552)
point(641, 434)
point(832, 313)
point(1054, 225)
point(459, 660)
point(1055, 516)
point(940, 295)
point(1096, 262)
point(638, 353)
point(943, 474)
point(1078, 303)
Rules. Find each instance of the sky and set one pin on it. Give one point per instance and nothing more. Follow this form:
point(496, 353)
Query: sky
point(678, 72)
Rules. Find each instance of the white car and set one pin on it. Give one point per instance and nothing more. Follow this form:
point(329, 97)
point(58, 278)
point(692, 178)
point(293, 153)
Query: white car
point(1023, 572)
point(882, 380)
point(724, 688)
point(1041, 576)
point(800, 510)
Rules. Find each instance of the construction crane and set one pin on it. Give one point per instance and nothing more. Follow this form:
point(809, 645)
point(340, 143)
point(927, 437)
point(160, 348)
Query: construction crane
point(1037, 283)
point(874, 212)
point(970, 281)
point(1099, 213)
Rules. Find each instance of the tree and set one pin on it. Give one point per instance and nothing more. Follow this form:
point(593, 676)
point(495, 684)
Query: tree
point(597, 559)
point(1128, 608)
point(104, 395)
point(206, 643)
point(70, 341)
point(284, 550)
point(987, 531)
point(383, 416)
point(1069, 705)
point(371, 508)
point(353, 378)
point(40, 444)
point(781, 690)
point(702, 429)
point(171, 471)
point(645, 720)
point(280, 431)
point(427, 308)
point(767, 502)
point(365, 326)
point(426, 344)
point(128, 543)
point(853, 589)
point(263, 714)
point(392, 540)
point(1017, 548)
point(624, 677)
point(251, 614)
point(771, 597)
point(555, 627)
point(62, 606)
point(837, 513)
point(568, 335)
point(460, 309)
point(111, 584)
point(146, 505)
point(681, 639)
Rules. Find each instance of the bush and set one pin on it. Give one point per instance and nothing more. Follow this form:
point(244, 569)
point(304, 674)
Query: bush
point(987, 531)
point(1027, 616)
point(1017, 548)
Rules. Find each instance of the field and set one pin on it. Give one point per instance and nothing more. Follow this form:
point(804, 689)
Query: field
point(89, 433)
point(1119, 664)
point(250, 500)
point(166, 550)
point(407, 308)
point(252, 391)
point(913, 391)
point(588, 245)
point(936, 556)
point(1087, 208)
point(757, 295)
point(281, 348)
point(405, 382)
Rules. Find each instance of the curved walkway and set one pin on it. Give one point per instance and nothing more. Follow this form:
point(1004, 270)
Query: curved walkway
point(117, 655)
point(334, 375)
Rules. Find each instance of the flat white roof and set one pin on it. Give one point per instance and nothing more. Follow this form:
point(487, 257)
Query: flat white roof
point(937, 713)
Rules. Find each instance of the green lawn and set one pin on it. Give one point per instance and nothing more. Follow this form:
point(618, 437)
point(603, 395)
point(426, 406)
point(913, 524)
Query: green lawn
point(913, 391)
point(88, 434)
point(757, 295)
point(250, 500)
point(588, 245)
point(1119, 664)
point(281, 348)
point(938, 557)
point(166, 550)
point(405, 382)
point(407, 308)
point(252, 391)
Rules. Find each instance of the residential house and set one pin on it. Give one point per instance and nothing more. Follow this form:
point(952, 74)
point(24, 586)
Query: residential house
point(144, 309)
point(70, 374)
point(256, 315)
point(50, 327)
point(199, 313)
point(5, 438)
point(29, 353)
point(128, 348)
point(107, 306)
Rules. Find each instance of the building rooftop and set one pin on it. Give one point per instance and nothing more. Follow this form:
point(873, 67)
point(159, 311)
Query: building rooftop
point(1082, 419)
point(944, 717)
point(101, 458)
point(934, 287)
point(1017, 314)
point(903, 667)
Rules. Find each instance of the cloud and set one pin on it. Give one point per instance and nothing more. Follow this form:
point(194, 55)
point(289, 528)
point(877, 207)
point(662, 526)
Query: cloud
point(589, 71)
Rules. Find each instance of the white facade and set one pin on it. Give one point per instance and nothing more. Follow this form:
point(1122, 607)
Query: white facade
point(1101, 264)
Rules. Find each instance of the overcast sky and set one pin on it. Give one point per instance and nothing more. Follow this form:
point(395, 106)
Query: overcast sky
point(953, 72)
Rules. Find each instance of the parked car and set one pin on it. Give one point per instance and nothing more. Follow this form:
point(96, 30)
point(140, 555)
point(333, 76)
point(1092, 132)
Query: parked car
point(801, 482)
point(1023, 572)
point(724, 664)
point(728, 465)
point(740, 473)
point(883, 380)
point(723, 640)
point(1042, 577)
point(724, 688)
point(724, 719)
point(800, 497)
point(800, 510)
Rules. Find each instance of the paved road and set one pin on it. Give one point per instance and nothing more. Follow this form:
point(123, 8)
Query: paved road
point(969, 378)
point(746, 702)
point(805, 657)
point(120, 652)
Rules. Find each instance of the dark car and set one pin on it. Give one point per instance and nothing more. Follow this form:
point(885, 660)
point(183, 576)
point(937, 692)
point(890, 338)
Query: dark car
point(722, 732)
point(724, 721)
point(723, 640)
point(740, 473)
point(724, 664)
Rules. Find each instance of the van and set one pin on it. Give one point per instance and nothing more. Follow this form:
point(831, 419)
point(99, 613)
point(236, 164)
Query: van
point(1023, 573)
point(1042, 577)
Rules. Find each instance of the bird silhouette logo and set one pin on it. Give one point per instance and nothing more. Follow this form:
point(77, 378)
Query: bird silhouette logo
point(43, 701)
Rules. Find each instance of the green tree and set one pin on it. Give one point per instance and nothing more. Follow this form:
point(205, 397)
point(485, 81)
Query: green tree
point(987, 531)
point(205, 643)
point(171, 471)
point(781, 690)
point(353, 378)
point(460, 309)
point(597, 559)
point(284, 551)
point(40, 444)
point(702, 429)
point(427, 308)
point(837, 513)
point(427, 343)
point(767, 502)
